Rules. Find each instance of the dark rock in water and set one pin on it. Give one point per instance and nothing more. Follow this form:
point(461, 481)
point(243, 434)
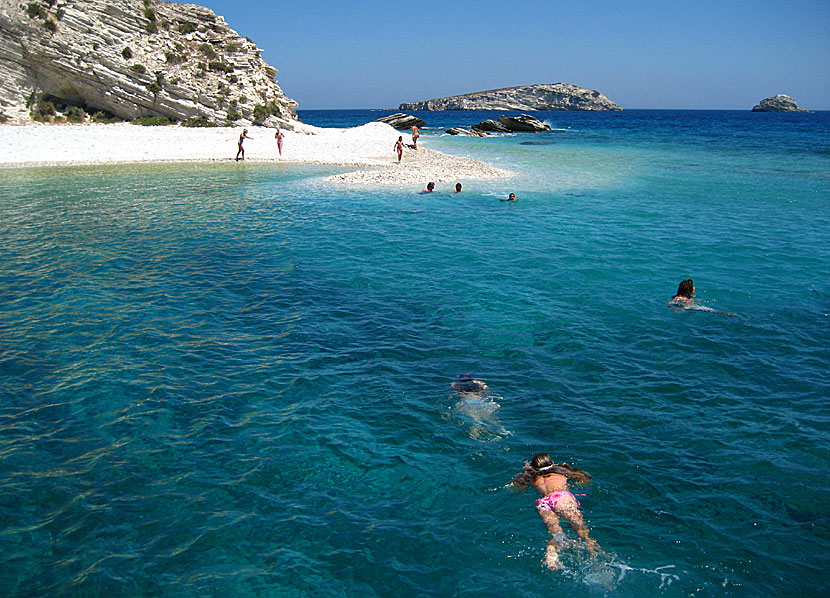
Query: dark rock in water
point(512, 124)
point(525, 122)
point(402, 121)
point(491, 125)
point(466, 132)
point(537, 143)
point(550, 96)
point(779, 103)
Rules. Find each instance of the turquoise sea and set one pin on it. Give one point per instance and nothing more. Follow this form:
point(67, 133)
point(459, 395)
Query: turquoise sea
point(234, 379)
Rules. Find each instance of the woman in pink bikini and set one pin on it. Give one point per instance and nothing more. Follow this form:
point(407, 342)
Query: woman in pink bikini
point(551, 481)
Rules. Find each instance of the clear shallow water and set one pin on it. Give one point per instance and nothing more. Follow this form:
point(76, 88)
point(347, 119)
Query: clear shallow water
point(234, 379)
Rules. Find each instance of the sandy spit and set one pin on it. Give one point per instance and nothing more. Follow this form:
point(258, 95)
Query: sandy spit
point(369, 145)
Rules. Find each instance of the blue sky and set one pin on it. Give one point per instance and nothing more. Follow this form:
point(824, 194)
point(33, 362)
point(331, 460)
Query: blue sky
point(724, 54)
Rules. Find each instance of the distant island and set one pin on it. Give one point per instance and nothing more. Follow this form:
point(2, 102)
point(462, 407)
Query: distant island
point(779, 103)
point(552, 96)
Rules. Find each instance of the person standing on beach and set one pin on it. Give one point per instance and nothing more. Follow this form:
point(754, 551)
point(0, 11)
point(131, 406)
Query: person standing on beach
point(399, 147)
point(416, 132)
point(279, 137)
point(241, 150)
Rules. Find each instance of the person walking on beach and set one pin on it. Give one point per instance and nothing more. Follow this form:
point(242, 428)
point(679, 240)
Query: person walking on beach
point(241, 150)
point(551, 481)
point(399, 147)
point(416, 132)
point(279, 137)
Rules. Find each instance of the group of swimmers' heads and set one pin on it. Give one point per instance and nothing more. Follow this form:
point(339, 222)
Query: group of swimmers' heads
point(431, 187)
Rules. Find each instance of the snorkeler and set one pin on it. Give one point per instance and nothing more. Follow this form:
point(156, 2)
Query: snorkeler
point(551, 481)
point(684, 293)
point(466, 384)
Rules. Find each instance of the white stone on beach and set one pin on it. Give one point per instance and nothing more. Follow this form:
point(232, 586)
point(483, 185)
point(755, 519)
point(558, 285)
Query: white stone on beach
point(370, 145)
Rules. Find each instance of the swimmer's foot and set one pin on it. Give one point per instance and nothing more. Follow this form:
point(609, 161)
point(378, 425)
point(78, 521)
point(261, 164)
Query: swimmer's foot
point(552, 561)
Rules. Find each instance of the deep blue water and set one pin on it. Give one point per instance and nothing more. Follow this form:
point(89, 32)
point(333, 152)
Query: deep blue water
point(233, 379)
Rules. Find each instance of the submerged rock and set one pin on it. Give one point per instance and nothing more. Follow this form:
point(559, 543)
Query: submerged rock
point(553, 96)
point(130, 59)
point(402, 121)
point(778, 103)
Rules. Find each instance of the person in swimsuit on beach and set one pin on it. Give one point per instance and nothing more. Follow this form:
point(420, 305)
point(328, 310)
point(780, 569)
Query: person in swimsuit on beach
point(684, 298)
point(279, 137)
point(241, 150)
point(457, 188)
point(551, 481)
point(399, 147)
point(430, 188)
point(511, 197)
point(416, 132)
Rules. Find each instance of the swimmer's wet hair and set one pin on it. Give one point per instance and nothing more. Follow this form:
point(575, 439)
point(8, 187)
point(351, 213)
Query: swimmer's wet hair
point(685, 289)
point(542, 465)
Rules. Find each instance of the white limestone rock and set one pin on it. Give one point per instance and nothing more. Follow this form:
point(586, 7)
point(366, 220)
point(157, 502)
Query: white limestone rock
point(135, 58)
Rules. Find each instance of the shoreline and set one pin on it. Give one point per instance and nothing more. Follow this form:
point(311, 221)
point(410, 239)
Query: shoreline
point(368, 147)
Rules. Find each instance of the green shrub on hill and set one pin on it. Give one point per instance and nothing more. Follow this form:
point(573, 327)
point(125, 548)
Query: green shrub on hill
point(198, 121)
point(127, 53)
point(207, 50)
point(75, 114)
point(187, 27)
point(152, 121)
point(138, 68)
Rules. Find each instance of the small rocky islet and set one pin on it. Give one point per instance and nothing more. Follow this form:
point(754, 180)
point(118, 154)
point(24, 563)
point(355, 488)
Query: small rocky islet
point(548, 96)
point(778, 103)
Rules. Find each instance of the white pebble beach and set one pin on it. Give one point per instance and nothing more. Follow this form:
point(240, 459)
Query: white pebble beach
point(370, 145)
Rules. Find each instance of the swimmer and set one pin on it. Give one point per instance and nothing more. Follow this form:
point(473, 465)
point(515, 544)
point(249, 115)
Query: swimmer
point(430, 188)
point(466, 384)
point(511, 197)
point(416, 132)
point(457, 188)
point(279, 136)
point(399, 147)
point(241, 150)
point(551, 481)
point(684, 298)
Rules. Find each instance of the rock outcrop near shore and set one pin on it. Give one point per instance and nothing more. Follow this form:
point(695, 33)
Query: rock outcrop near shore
point(779, 103)
point(134, 58)
point(402, 121)
point(555, 96)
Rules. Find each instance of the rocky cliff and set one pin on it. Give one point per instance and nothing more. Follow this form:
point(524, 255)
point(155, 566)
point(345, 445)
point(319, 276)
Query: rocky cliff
point(134, 58)
point(779, 103)
point(555, 96)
